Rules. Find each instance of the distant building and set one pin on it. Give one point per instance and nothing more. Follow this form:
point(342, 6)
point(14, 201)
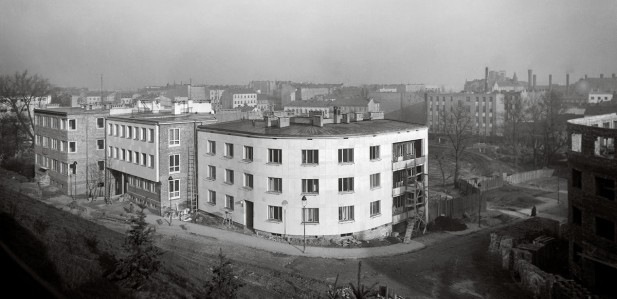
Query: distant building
point(358, 177)
point(592, 205)
point(358, 105)
point(486, 111)
point(598, 97)
point(263, 87)
point(234, 98)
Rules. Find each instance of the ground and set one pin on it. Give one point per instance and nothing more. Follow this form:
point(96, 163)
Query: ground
point(82, 243)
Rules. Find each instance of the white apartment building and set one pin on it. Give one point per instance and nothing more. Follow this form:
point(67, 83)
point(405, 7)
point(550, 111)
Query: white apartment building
point(358, 177)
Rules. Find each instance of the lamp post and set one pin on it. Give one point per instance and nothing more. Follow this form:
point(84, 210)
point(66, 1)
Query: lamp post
point(170, 179)
point(479, 203)
point(74, 179)
point(304, 221)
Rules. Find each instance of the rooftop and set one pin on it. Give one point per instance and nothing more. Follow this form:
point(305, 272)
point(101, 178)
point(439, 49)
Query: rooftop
point(341, 102)
point(70, 111)
point(295, 130)
point(164, 117)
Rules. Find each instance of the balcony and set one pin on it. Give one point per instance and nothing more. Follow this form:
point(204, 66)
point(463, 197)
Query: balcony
point(407, 162)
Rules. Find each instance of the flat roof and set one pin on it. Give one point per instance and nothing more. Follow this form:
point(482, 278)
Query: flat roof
point(258, 128)
point(70, 111)
point(154, 118)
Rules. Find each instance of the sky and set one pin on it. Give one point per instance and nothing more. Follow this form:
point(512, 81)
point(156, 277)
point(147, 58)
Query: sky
point(151, 42)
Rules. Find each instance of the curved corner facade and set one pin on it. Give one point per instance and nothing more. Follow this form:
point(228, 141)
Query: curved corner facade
point(353, 180)
point(592, 207)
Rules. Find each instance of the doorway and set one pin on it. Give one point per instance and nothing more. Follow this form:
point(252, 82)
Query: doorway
point(248, 213)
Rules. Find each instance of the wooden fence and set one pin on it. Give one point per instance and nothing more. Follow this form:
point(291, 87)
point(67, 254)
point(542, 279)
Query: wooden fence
point(529, 175)
point(456, 207)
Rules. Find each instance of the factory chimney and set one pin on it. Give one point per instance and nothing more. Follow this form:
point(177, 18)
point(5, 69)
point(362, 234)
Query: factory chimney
point(567, 83)
point(585, 76)
point(529, 79)
point(601, 76)
point(550, 81)
point(486, 79)
point(534, 82)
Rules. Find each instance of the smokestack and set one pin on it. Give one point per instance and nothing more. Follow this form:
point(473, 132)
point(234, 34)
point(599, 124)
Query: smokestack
point(613, 75)
point(550, 81)
point(567, 83)
point(534, 82)
point(601, 76)
point(486, 79)
point(585, 76)
point(529, 79)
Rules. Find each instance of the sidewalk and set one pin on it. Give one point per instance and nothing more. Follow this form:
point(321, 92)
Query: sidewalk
point(279, 247)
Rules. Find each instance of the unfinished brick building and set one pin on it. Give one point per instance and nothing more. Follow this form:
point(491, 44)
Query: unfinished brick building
point(592, 208)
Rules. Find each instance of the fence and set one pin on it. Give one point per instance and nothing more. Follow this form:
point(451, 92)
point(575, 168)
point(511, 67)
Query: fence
point(529, 175)
point(456, 207)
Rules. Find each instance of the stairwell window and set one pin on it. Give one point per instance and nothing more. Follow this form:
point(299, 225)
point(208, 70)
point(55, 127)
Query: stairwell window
point(174, 137)
point(72, 125)
point(375, 208)
point(72, 147)
point(174, 189)
point(100, 144)
point(174, 163)
point(346, 213)
point(345, 155)
point(100, 123)
point(275, 213)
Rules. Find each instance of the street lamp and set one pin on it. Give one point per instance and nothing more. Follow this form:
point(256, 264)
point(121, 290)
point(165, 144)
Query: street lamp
point(170, 179)
point(479, 203)
point(304, 221)
point(74, 179)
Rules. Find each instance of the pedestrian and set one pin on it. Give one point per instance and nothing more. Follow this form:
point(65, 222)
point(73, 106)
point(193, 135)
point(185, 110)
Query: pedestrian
point(533, 211)
point(131, 208)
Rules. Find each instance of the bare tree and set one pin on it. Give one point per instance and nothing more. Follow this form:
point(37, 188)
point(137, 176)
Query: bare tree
point(546, 130)
point(515, 117)
point(457, 125)
point(96, 179)
point(446, 171)
point(20, 91)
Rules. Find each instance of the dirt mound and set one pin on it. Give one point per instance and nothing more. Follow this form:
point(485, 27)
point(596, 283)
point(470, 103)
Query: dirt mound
point(448, 224)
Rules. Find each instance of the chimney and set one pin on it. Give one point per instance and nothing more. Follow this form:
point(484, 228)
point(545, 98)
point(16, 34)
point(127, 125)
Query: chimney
point(613, 75)
point(601, 76)
point(486, 79)
point(567, 83)
point(550, 81)
point(585, 76)
point(534, 82)
point(529, 79)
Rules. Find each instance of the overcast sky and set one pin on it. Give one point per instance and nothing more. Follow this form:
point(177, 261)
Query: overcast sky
point(138, 43)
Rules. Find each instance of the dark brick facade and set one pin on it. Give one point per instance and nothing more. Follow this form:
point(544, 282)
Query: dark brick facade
point(592, 206)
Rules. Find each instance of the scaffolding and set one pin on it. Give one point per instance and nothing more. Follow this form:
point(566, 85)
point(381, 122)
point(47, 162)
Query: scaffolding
point(415, 188)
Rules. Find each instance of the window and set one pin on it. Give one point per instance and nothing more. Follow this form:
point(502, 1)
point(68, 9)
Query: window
point(101, 165)
point(110, 129)
point(275, 185)
point(211, 197)
point(248, 153)
point(73, 168)
point(345, 184)
point(110, 151)
point(174, 188)
point(151, 161)
point(136, 160)
point(275, 156)
point(577, 250)
point(123, 157)
point(129, 156)
point(375, 180)
point(136, 133)
point(310, 186)
point(122, 130)
point(144, 159)
point(310, 157)
point(72, 148)
point(100, 144)
point(345, 213)
point(605, 228)
point(577, 216)
point(374, 152)
point(72, 125)
point(151, 135)
point(63, 124)
point(577, 179)
point(116, 150)
point(248, 180)
point(345, 155)
point(275, 213)
point(211, 147)
point(174, 136)
point(174, 163)
point(398, 204)
point(229, 150)
point(375, 208)
point(229, 202)
point(605, 188)
point(229, 176)
point(311, 215)
point(129, 132)
point(211, 172)
point(143, 134)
